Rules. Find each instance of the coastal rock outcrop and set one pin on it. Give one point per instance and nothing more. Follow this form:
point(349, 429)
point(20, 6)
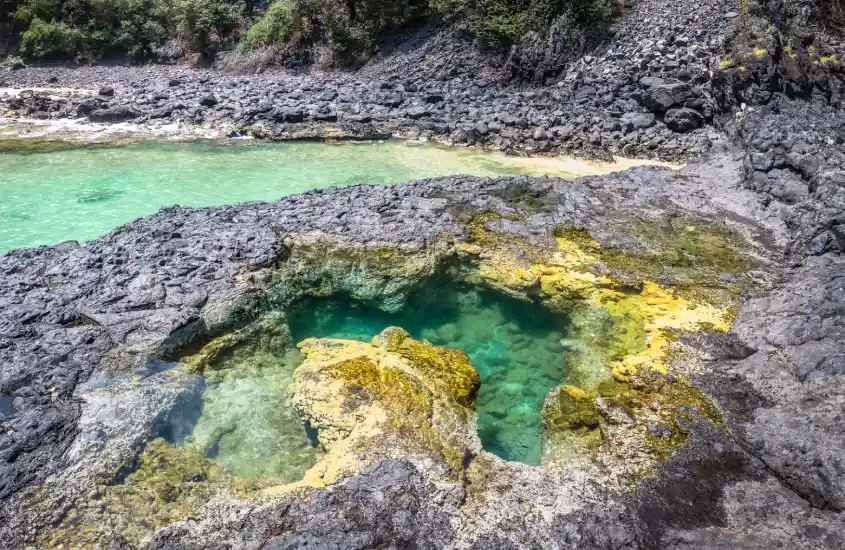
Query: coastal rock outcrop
point(659, 382)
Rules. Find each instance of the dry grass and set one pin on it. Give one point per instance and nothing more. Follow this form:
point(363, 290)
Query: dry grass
point(248, 61)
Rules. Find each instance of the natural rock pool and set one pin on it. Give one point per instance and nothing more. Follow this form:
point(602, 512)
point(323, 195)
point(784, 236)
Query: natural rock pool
point(246, 421)
point(64, 192)
point(515, 347)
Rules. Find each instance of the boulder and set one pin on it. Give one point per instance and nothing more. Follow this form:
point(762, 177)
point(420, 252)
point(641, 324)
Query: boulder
point(287, 115)
point(112, 114)
point(633, 121)
point(662, 97)
point(208, 101)
point(162, 112)
point(649, 81)
point(85, 108)
point(106, 91)
point(683, 120)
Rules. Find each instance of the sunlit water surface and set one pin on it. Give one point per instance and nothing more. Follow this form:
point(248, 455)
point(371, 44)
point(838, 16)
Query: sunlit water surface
point(82, 193)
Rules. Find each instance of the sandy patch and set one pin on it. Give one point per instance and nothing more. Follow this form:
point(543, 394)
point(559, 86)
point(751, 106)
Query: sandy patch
point(554, 166)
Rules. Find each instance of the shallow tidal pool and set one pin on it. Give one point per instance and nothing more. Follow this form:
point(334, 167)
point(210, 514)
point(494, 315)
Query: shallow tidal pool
point(245, 419)
point(81, 193)
point(515, 347)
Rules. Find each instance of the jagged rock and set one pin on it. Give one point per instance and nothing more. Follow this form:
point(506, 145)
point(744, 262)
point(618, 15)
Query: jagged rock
point(287, 115)
point(161, 112)
point(662, 97)
point(682, 120)
point(633, 121)
point(759, 470)
point(302, 244)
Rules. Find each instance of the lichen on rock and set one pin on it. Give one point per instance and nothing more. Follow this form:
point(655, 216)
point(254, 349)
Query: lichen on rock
point(169, 484)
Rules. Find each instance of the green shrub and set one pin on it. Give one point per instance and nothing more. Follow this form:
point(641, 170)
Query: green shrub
point(329, 32)
point(499, 23)
point(93, 28)
point(143, 27)
point(207, 25)
point(275, 27)
point(50, 40)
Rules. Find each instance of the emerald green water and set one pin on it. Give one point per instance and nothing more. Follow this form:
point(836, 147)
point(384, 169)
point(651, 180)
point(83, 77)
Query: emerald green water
point(82, 193)
point(514, 346)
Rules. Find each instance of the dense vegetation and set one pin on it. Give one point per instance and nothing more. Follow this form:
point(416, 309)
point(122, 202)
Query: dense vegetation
point(328, 32)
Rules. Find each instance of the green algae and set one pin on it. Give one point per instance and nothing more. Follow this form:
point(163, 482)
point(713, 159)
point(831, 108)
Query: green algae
point(35, 145)
point(268, 334)
point(393, 386)
point(247, 422)
point(627, 299)
point(572, 409)
point(693, 256)
point(245, 419)
point(588, 314)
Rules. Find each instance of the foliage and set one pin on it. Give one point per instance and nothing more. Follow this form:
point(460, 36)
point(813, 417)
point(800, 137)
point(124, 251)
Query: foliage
point(334, 32)
point(93, 28)
point(207, 25)
point(49, 40)
point(275, 27)
point(346, 30)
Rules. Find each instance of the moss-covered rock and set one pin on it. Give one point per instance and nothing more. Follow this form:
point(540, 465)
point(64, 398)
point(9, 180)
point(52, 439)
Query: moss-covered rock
point(571, 408)
point(628, 301)
point(268, 334)
point(626, 318)
point(369, 400)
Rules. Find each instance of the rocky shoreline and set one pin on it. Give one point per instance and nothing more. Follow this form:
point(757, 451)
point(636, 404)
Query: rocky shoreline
point(717, 427)
point(645, 94)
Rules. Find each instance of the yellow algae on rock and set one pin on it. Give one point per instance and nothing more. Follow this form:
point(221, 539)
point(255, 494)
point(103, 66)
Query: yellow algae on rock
point(626, 308)
point(269, 333)
point(392, 396)
point(170, 484)
point(627, 325)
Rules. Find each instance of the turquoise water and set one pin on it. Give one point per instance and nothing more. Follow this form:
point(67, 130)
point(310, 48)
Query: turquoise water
point(82, 193)
point(245, 417)
point(247, 421)
point(515, 347)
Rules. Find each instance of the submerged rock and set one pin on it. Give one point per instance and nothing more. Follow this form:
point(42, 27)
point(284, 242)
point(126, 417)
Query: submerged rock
point(364, 398)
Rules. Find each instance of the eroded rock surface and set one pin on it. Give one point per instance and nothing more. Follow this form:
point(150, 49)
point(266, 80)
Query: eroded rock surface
point(677, 434)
